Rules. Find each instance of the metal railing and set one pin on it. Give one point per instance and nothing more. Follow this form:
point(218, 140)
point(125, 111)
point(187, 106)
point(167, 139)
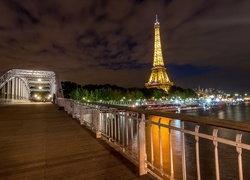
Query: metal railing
point(167, 145)
point(12, 101)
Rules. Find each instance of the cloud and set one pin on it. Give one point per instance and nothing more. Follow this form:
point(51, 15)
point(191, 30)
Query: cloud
point(104, 40)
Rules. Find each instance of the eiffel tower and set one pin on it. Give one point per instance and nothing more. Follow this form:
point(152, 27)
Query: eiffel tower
point(158, 78)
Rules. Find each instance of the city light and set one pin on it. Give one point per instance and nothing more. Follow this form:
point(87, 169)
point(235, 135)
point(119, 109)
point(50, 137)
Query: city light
point(49, 96)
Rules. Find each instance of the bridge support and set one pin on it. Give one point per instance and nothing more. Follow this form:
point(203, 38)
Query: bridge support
point(14, 89)
point(18, 85)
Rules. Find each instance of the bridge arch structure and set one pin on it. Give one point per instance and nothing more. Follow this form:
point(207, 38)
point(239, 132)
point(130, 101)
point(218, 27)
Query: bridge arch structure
point(25, 85)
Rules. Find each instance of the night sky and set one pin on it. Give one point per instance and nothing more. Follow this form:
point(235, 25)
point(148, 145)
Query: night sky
point(205, 43)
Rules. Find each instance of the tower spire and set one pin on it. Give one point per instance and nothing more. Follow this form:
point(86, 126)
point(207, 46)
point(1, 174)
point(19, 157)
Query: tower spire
point(156, 21)
point(158, 78)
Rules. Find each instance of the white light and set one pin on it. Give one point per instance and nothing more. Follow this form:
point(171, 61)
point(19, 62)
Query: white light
point(208, 100)
point(39, 80)
point(40, 87)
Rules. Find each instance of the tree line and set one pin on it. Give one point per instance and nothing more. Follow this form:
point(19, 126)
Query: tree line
point(109, 92)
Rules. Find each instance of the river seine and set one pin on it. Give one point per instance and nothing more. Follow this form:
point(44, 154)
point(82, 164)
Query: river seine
point(228, 156)
point(240, 112)
point(228, 160)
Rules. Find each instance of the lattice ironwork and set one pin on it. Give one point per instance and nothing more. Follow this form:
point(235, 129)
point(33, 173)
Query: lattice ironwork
point(158, 78)
point(19, 83)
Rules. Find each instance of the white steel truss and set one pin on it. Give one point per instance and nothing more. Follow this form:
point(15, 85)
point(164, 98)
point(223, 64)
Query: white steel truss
point(18, 84)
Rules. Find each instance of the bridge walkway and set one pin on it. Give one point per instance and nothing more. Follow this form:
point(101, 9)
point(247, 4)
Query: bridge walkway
point(38, 141)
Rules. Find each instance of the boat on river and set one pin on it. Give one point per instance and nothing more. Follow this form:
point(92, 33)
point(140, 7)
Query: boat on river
point(172, 107)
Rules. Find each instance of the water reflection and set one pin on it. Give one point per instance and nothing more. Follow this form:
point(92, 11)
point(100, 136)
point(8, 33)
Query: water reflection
point(122, 129)
point(240, 112)
point(158, 145)
point(228, 157)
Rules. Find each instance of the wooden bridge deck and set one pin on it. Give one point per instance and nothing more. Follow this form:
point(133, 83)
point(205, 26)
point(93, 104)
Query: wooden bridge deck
point(37, 141)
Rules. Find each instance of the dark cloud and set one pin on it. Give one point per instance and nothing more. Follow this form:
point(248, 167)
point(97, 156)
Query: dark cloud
point(205, 42)
point(58, 48)
point(22, 12)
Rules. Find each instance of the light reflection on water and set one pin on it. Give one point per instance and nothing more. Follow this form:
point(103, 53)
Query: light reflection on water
point(240, 112)
point(156, 132)
point(227, 155)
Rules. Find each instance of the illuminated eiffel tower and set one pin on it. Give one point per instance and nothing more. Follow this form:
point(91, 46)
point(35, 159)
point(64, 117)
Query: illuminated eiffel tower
point(158, 78)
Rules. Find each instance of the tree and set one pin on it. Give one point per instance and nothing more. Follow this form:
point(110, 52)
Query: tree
point(159, 94)
point(176, 92)
point(109, 92)
point(68, 87)
point(77, 94)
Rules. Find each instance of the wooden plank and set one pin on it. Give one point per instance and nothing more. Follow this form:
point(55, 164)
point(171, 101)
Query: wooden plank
point(39, 142)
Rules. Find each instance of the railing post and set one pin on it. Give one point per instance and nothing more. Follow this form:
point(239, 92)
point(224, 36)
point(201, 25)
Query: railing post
point(197, 152)
point(81, 114)
point(215, 142)
point(239, 151)
point(98, 124)
point(183, 152)
point(74, 106)
point(160, 145)
point(126, 128)
point(171, 151)
point(142, 146)
point(151, 143)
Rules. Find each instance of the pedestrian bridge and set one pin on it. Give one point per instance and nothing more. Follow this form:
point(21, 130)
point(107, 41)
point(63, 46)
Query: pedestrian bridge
point(42, 141)
point(38, 141)
point(169, 145)
point(20, 85)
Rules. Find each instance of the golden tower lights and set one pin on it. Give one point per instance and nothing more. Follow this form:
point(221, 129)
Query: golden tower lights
point(158, 78)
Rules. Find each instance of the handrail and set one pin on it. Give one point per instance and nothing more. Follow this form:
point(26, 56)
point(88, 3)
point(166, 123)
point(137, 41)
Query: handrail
point(147, 138)
point(223, 123)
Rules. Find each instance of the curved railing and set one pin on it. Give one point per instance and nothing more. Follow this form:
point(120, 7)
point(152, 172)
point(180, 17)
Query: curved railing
point(168, 145)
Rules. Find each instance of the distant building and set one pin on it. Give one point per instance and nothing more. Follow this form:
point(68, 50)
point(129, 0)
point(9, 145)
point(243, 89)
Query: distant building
point(211, 92)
